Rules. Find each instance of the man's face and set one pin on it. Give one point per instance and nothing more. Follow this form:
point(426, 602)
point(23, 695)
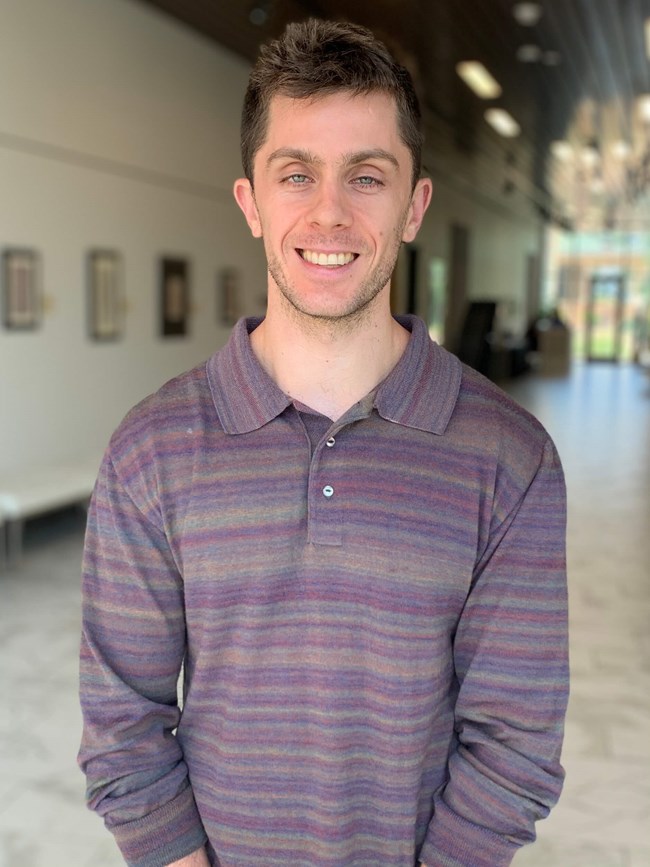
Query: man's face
point(332, 200)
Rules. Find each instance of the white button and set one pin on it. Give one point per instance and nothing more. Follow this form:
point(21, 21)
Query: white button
point(328, 490)
point(330, 442)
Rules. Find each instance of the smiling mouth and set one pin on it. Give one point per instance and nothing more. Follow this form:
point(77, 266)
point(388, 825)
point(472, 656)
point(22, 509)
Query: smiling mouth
point(329, 260)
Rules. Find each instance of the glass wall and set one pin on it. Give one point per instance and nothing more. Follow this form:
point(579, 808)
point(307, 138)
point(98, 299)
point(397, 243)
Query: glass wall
point(599, 283)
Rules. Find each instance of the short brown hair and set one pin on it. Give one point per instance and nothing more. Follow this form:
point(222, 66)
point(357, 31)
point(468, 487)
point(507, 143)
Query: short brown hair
point(318, 58)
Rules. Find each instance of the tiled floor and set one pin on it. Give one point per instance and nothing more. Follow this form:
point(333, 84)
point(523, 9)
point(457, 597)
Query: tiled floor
point(600, 419)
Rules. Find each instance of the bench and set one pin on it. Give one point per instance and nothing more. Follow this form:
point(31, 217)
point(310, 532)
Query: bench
point(36, 491)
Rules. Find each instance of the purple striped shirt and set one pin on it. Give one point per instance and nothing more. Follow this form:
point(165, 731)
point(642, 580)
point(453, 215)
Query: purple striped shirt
point(373, 631)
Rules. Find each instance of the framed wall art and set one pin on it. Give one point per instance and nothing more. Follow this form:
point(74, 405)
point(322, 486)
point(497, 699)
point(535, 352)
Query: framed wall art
point(105, 320)
point(174, 297)
point(21, 301)
point(228, 296)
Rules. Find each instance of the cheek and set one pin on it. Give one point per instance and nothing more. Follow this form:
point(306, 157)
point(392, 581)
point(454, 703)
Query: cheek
point(277, 241)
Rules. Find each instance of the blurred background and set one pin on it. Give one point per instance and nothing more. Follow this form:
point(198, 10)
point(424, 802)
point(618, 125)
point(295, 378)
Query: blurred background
point(124, 261)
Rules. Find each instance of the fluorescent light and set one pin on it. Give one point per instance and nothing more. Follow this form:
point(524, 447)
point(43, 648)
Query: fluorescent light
point(647, 38)
point(502, 122)
point(562, 151)
point(476, 76)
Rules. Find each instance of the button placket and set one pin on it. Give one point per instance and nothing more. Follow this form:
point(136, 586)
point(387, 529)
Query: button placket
point(325, 520)
point(328, 490)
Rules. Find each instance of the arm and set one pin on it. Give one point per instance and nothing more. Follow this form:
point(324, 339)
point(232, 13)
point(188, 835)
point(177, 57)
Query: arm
point(133, 644)
point(510, 655)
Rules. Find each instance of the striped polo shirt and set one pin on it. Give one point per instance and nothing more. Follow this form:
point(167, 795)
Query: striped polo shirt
point(372, 625)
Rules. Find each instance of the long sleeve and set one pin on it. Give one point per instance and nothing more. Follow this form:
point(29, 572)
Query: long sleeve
point(511, 662)
point(132, 651)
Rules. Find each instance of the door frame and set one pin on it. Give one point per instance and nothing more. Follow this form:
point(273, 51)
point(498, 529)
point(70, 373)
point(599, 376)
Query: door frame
point(620, 280)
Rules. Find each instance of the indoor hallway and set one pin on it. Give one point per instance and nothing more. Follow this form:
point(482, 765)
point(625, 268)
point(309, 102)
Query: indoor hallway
point(600, 420)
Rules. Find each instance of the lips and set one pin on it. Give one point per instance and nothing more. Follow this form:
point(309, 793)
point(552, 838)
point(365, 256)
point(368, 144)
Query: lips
point(328, 260)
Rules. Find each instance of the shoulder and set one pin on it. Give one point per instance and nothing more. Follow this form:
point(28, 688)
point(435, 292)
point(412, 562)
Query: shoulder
point(499, 431)
point(161, 426)
point(177, 401)
point(493, 412)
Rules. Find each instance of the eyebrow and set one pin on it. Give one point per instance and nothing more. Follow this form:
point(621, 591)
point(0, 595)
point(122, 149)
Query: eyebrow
point(296, 154)
point(353, 159)
point(359, 157)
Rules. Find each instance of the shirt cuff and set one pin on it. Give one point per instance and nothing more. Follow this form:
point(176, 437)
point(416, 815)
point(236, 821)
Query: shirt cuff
point(169, 833)
point(452, 841)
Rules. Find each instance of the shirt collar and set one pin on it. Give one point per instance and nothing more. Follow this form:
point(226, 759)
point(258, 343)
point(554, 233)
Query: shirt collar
point(420, 392)
point(422, 389)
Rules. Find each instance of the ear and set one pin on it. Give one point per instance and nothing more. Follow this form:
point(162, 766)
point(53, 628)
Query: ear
point(420, 201)
point(245, 198)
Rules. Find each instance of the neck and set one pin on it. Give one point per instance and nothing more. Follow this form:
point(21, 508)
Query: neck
point(328, 365)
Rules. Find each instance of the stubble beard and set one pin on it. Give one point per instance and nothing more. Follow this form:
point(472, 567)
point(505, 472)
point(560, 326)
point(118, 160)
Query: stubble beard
point(357, 309)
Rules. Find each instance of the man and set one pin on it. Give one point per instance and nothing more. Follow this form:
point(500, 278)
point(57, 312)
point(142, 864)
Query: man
point(353, 545)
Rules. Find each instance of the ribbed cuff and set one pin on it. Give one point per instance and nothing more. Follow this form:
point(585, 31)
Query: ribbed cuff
point(164, 836)
point(452, 841)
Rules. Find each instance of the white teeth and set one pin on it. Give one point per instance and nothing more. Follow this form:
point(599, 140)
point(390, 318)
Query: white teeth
point(330, 260)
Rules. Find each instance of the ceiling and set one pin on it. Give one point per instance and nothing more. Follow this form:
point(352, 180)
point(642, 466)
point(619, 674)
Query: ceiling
point(588, 69)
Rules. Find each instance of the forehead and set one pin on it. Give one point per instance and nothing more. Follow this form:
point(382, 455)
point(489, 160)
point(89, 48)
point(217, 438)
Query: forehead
point(339, 122)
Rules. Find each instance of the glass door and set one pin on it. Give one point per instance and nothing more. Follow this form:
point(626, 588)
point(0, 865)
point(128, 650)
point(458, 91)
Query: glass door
point(605, 317)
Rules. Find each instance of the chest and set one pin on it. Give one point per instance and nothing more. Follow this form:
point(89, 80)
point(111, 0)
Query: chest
point(273, 519)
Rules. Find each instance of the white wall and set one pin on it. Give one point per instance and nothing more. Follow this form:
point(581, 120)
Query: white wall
point(106, 109)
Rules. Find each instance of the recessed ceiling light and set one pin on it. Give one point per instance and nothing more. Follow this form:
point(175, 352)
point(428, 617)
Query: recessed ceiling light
point(621, 149)
point(590, 156)
point(597, 185)
point(529, 53)
point(476, 76)
point(502, 122)
point(259, 15)
point(562, 151)
point(552, 58)
point(527, 14)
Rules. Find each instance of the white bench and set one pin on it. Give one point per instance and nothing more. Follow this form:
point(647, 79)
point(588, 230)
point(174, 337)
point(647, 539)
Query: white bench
point(37, 491)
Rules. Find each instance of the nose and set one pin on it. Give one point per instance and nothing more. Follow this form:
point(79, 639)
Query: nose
point(330, 206)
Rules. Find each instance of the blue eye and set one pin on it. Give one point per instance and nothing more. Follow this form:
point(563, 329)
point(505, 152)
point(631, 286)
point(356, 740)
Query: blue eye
point(297, 178)
point(367, 181)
